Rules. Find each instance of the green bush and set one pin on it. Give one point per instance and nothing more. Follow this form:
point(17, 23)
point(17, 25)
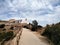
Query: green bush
point(2, 36)
point(6, 36)
point(53, 33)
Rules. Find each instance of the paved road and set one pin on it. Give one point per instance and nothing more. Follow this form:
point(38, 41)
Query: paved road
point(28, 38)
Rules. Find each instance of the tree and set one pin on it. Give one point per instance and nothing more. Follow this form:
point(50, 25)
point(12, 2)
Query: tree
point(34, 25)
point(47, 25)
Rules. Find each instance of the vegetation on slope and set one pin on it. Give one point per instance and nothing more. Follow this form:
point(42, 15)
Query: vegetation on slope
point(53, 33)
point(5, 36)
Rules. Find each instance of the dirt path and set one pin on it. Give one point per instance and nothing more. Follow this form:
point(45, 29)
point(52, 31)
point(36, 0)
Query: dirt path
point(28, 38)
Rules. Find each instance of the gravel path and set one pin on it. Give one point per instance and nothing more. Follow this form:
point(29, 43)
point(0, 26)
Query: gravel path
point(28, 38)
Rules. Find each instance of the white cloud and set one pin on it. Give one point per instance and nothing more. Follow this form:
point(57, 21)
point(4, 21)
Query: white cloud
point(44, 11)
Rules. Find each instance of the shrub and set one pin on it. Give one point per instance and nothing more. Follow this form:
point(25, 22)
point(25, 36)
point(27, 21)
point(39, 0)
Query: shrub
point(6, 35)
point(12, 28)
point(39, 27)
point(34, 28)
point(26, 27)
point(53, 33)
point(2, 36)
point(4, 29)
point(2, 25)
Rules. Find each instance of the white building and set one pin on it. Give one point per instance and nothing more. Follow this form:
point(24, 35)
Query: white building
point(24, 21)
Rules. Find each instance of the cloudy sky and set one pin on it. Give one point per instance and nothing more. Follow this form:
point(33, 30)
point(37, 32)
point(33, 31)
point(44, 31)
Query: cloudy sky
point(44, 11)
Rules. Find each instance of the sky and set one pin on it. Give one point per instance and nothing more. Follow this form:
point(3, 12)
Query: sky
point(44, 11)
